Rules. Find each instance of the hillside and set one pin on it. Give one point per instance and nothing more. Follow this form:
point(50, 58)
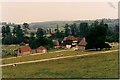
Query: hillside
point(49, 24)
point(53, 24)
point(61, 24)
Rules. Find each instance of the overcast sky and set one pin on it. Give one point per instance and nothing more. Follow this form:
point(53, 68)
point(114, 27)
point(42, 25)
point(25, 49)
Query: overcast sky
point(51, 11)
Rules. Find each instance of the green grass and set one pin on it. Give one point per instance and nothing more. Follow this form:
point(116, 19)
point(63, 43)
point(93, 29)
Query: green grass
point(12, 47)
point(51, 50)
point(9, 50)
point(45, 56)
point(40, 56)
point(94, 66)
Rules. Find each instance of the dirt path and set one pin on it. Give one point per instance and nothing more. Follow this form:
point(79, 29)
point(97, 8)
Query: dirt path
point(35, 54)
point(59, 58)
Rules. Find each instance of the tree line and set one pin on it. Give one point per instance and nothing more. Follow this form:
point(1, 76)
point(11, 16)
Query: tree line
point(96, 34)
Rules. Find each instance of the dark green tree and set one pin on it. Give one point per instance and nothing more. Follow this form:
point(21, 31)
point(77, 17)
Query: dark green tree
point(26, 28)
point(67, 30)
point(8, 30)
point(8, 39)
point(3, 31)
point(62, 35)
point(116, 28)
point(40, 32)
point(83, 29)
point(14, 31)
point(96, 36)
point(19, 34)
point(33, 41)
point(32, 34)
point(57, 35)
point(74, 29)
point(113, 35)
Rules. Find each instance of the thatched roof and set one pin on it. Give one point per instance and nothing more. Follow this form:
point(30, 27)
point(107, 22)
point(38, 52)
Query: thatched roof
point(72, 38)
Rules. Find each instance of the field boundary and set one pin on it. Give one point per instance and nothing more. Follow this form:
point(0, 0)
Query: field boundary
point(42, 60)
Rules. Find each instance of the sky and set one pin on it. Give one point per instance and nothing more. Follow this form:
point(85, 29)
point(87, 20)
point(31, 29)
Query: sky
point(20, 12)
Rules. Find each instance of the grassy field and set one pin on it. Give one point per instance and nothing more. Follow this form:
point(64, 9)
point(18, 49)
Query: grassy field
point(40, 56)
point(9, 50)
point(52, 50)
point(94, 66)
point(46, 55)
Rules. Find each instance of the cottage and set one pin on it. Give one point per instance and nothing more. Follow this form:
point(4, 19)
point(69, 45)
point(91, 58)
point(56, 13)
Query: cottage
point(70, 42)
point(82, 44)
point(41, 49)
point(24, 50)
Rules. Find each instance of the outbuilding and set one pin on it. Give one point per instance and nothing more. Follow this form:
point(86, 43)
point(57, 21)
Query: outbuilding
point(24, 50)
point(82, 44)
point(41, 49)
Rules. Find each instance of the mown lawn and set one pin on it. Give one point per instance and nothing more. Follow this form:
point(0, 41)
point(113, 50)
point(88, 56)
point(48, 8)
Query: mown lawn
point(94, 66)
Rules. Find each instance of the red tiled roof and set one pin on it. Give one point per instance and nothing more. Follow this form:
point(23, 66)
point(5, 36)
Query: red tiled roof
point(25, 48)
point(82, 42)
point(71, 38)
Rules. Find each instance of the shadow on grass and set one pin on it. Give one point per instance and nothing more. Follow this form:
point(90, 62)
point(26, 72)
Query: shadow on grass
point(94, 50)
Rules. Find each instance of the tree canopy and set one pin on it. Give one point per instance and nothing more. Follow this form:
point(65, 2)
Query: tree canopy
point(96, 36)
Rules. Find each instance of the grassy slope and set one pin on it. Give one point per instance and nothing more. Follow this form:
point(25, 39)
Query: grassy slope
point(96, 66)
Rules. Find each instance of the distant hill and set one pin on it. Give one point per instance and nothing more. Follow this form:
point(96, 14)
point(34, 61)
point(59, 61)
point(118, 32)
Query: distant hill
point(50, 24)
point(53, 24)
point(61, 24)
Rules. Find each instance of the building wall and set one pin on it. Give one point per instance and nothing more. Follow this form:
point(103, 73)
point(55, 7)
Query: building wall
point(44, 51)
point(41, 51)
point(81, 48)
point(75, 48)
point(24, 53)
point(68, 46)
